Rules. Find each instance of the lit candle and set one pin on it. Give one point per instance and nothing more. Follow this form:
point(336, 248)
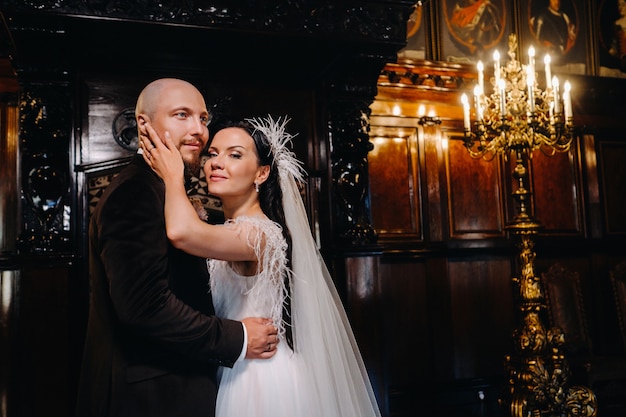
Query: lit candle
point(557, 99)
point(501, 88)
point(567, 102)
point(481, 81)
point(477, 100)
point(466, 112)
point(530, 80)
point(496, 65)
point(546, 61)
point(531, 59)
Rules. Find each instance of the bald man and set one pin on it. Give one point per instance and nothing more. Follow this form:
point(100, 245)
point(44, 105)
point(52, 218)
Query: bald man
point(153, 342)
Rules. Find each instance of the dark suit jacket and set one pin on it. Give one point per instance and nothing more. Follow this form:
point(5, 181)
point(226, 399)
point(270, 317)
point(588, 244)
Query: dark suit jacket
point(153, 344)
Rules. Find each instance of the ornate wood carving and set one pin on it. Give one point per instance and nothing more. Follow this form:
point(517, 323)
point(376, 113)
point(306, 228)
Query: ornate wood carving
point(45, 126)
point(346, 19)
point(350, 139)
point(351, 94)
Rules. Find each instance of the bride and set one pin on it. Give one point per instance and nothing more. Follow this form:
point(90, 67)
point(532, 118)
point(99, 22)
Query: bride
point(264, 262)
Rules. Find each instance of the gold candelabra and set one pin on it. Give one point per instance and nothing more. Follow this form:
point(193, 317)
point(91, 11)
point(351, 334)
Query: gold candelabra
point(518, 118)
point(518, 115)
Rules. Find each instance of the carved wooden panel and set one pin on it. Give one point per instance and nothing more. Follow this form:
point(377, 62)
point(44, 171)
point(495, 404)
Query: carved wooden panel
point(458, 312)
point(618, 282)
point(364, 313)
point(566, 309)
point(44, 135)
point(612, 155)
point(394, 186)
point(474, 195)
point(406, 317)
point(481, 314)
point(556, 191)
point(42, 321)
point(103, 115)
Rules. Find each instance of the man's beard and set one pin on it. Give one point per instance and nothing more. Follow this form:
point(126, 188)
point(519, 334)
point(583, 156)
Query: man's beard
point(192, 168)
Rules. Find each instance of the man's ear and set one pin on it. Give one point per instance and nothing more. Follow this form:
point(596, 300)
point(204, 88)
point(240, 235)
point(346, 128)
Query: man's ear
point(142, 118)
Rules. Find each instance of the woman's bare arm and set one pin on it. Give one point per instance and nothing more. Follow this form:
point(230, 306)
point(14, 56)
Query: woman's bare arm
point(185, 229)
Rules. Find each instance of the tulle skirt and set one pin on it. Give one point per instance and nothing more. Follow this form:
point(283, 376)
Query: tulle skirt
point(277, 387)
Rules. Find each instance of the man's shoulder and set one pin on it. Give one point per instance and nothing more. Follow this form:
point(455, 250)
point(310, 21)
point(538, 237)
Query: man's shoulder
point(133, 184)
point(135, 174)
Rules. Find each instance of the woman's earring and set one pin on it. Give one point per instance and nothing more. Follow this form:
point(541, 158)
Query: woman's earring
point(256, 187)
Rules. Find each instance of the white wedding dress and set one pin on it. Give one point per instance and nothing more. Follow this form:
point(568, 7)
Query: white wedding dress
point(324, 376)
point(278, 386)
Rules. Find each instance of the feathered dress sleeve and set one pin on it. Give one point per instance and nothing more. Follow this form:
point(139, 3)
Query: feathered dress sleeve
point(265, 291)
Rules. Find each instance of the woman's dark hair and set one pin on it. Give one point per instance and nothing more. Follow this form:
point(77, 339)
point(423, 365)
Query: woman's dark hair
point(271, 200)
